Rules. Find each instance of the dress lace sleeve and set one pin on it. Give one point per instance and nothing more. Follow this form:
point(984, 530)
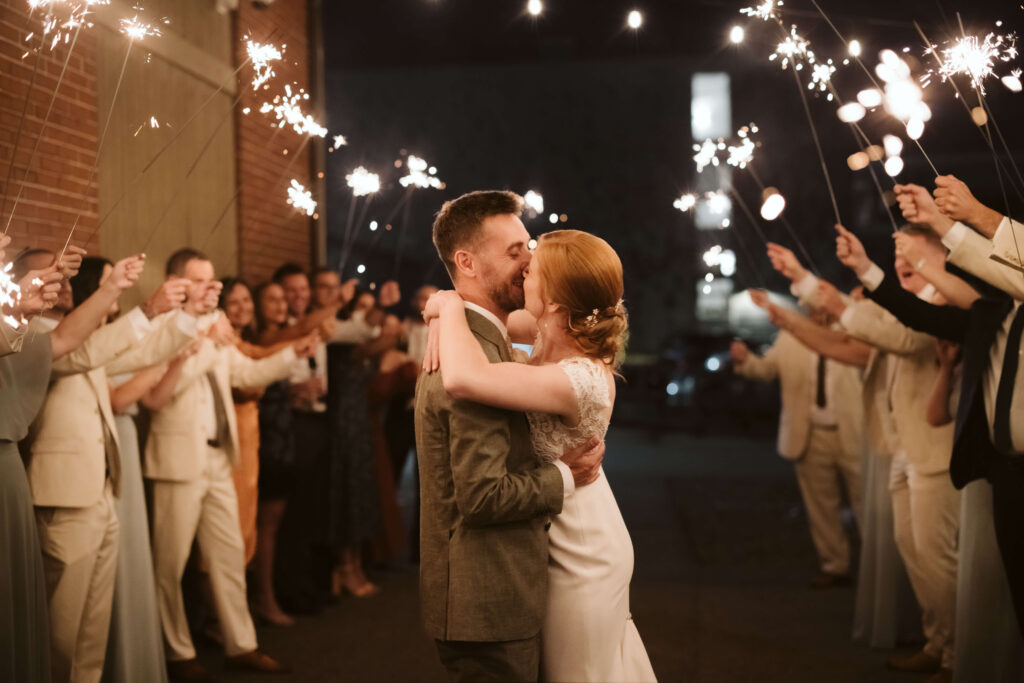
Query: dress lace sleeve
point(591, 388)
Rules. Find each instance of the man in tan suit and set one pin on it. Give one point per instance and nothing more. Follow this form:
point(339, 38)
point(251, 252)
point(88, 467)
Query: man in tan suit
point(485, 497)
point(192, 447)
point(820, 429)
point(74, 470)
point(926, 506)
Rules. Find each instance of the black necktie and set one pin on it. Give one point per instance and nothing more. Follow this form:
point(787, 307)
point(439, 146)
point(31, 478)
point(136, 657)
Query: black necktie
point(1007, 379)
point(820, 400)
point(223, 430)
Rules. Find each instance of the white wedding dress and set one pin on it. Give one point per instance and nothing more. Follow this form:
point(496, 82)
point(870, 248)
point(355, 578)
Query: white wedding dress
point(588, 632)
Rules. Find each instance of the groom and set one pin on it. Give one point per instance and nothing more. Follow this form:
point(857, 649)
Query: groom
point(486, 498)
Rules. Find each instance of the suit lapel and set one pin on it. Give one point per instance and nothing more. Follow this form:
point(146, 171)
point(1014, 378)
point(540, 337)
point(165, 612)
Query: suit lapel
point(485, 329)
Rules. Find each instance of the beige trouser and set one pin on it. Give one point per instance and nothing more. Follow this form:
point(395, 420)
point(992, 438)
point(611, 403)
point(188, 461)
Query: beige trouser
point(205, 509)
point(926, 511)
point(818, 472)
point(80, 561)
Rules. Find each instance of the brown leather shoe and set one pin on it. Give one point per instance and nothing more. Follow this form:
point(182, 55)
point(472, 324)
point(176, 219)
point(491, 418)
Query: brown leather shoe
point(188, 671)
point(257, 660)
point(941, 676)
point(826, 580)
point(919, 662)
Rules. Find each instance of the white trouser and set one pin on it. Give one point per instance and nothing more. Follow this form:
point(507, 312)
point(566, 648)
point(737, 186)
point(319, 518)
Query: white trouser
point(926, 511)
point(818, 471)
point(205, 509)
point(80, 561)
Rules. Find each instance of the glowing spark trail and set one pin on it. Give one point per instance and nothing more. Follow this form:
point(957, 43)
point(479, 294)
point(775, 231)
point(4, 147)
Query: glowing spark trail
point(261, 54)
point(288, 113)
point(301, 198)
point(418, 175)
point(363, 182)
point(59, 17)
point(792, 49)
point(136, 30)
point(686, 202)
point(765, 11)
point(975, 57)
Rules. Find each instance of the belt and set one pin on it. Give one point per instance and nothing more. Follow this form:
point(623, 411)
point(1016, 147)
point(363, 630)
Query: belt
point(213, 443)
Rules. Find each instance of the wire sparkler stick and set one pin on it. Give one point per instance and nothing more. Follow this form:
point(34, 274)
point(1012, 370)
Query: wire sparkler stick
point(42, 131)
point(789, 226)
point(749, 214)
point(21, 120)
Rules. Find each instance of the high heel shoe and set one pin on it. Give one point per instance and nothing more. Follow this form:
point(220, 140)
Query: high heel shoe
point(346, 581)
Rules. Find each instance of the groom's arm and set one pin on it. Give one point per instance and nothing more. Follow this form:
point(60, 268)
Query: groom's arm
point(486, 492)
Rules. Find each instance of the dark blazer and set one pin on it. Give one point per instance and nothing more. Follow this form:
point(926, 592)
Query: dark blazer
point(485, 504)
point(975, 329)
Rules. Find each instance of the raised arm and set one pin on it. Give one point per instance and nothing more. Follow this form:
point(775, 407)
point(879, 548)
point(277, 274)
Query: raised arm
point(468, 374)
point(944, 322)
point(834, 344)
point(953, 289)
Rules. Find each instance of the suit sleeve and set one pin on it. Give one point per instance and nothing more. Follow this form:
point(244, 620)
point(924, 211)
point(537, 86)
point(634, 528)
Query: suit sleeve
point(104, 345)
point(249, 373)
point(972, 252)
point(761, 368)
point(869, 322)
point(173, 333)
point(944, 322)
point(11, 338)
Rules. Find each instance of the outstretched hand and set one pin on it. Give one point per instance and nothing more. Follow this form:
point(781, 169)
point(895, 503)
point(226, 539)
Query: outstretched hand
point(167, 297)
point(585, 461)
point(126, 272)
point(785, 262)
point(71, 262)
point(918, 206)
point(438, 301)
point(828, 298)
point(39, 291)
point(908, 248)
point(850, 251)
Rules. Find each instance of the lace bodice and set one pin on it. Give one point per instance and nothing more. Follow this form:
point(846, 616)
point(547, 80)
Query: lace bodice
point(550, 436)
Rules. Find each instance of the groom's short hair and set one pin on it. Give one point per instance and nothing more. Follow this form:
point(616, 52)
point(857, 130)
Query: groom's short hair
point(458, 224)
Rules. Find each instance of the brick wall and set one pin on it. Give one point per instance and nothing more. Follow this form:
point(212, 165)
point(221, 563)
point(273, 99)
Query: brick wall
point(55, 190)
point(270, 231)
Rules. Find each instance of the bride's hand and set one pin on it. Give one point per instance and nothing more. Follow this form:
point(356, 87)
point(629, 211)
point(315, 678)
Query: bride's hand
point(432, 354)
point(438, 301)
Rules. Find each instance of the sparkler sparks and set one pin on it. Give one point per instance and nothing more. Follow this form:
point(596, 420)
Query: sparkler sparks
point(707, 154)
point(742, 154)
point(10, 294)
point(261, 54)
point(136, 30)
point(287, 112)
point(792, 50)
point(1012, 82)
point(419, 175)
point(765, 11)
point(902, 98)
point(340, 141)
point(718, 202)
point(59, 17)
point(301, 198)
point(363, 182)
point(975, 57)
point(534, 201)
point(821, 77)
point(686, 202)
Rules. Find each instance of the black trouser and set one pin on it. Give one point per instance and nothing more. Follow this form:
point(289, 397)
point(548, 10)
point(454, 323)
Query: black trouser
point(1006, 474)
point(305, 517)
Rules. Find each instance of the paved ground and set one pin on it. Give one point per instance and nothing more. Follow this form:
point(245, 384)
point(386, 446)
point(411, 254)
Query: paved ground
point(719, 593)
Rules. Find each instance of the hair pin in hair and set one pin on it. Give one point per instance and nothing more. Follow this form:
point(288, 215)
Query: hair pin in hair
point(591, 320)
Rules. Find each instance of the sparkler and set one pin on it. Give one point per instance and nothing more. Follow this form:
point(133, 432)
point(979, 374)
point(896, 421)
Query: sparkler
point(821, 77)
point(419, 175)
point(974, 57)
point(339, 141)
point(261, 54)
point(301, 198)
point(136, 30)
point(765, 11)
point(363, 182)
point(59, 17)
point(1013, 82)
point(793, 48)
point(742, 154)
point(10, 295)
point(534, 201)
point(685, 202)
point(707, 154)
point(288, 113)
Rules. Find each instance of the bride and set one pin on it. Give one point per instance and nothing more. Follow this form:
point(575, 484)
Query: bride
point(575, 317)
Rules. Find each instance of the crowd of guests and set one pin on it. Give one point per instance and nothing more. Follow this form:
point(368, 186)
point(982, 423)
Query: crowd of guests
point(215, 454)
point(908, 390)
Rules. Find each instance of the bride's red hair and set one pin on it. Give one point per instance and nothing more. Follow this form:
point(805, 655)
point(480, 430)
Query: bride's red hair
point(583, 274)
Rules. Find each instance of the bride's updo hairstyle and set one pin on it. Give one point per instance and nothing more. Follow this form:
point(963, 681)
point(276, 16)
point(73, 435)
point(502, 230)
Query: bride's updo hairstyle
point(583, 274)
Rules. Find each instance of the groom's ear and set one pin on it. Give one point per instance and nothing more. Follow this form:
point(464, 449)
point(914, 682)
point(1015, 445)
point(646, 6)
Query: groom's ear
point(465, 265)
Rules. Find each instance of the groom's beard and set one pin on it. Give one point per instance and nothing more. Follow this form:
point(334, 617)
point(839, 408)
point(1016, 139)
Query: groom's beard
point(509, 295)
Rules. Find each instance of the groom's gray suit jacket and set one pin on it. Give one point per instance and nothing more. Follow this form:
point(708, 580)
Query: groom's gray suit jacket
point(485, 503)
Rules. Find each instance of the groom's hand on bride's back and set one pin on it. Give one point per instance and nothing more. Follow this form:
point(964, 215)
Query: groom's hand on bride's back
point(585, 461)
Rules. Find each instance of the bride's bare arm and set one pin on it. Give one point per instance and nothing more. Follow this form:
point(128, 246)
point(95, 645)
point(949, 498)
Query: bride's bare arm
point(522, 327)
point(467, 374)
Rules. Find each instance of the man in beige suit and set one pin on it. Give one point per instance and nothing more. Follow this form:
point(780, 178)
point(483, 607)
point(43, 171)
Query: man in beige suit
point(485, 497)
point(820, 429)
point(926, 506)
point(192, 447)
point(73, 470)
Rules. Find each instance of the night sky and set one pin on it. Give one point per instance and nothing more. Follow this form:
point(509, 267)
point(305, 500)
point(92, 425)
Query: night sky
point(596, 117)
